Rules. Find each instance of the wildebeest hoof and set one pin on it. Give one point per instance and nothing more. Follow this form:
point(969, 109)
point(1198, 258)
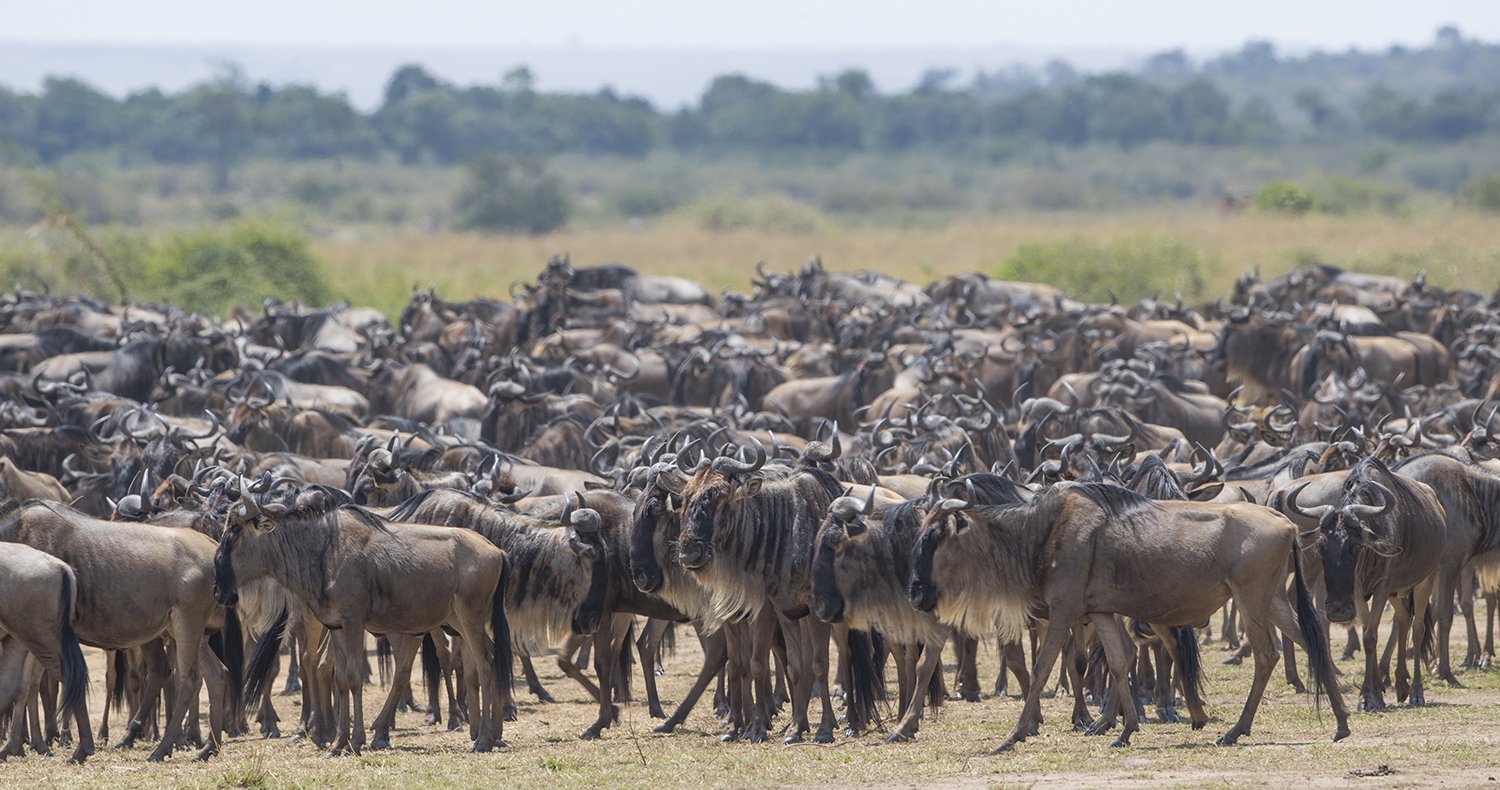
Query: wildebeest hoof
point(509, 713)
point(1299, 687)
point(542, 695)
point(794, 738)
point(480, 747)
point(656, 713)
point(1228, 739)
point(1004, 747)
point(1099, 727)
point(1119, 743)
point(590, 734)
point(267, 733)
point(1234, 660)
point(1168, 716)
point(666, 726)
point(1340, 734)
point(900, 737)
point(203, 755)
point(823, 737)
point(376, 744)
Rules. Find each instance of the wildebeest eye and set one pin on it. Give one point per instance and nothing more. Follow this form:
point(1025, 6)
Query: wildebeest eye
point(655, 507)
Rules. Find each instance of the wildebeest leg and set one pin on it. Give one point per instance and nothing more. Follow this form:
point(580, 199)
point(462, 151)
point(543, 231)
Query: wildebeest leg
point(1075, 670)
point(48, 696)
point(604, 667)
point(648, 646)
point(1176, 677)
point(348, 681)
point(1401, 618)
point(13, 697)
point(1491, 600)
point(1166, 696)
point(799, 676)
point(1372, 695)
point(1421, 642)
point(1443, 593)
point(931, 662)
point(739, 647)
point(757, 693)
point(1015, 662)
point(1052, 642)
point(534, 683)
point(1293, 678)
point(1471, 627)
point(715, 654)
point(485, 716)
point(905, 656)
point(1120, 652)
point(187, 633)
point(818, 632)
point(1263, 648)
point(566, 662)
point(1351, 643)
point(403, 652)
point(1000, 676)
point(966, 677)
point(216, 680)
point(1282, 617)
point(153, 663)
point(293, 669)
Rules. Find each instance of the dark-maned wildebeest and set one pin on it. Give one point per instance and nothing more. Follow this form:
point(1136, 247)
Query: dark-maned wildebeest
point(748, 535)
point(1374, 553)
point(1091, 550)
point(358, 573)
point(38, 599)
point(136, 583)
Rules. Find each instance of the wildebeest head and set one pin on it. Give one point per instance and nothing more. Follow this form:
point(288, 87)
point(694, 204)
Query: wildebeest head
point(706, 498)
point(588, 545)
point(942, 522)
point(845, 523)
point(656, 524)
point(1345, 533)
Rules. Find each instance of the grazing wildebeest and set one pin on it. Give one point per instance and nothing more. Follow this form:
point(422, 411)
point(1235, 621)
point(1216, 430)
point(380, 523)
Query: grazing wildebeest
point(136, 584)
point(1380, 552)
point(1092, 550)
point(38, 598)
point(358, 573)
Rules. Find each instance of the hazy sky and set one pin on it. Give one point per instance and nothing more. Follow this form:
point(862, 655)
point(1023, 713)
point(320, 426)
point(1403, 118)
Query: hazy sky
point(1141, 24)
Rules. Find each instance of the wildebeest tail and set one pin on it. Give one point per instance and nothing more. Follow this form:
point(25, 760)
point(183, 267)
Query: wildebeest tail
point(1189, 663)
point(383, 660)
point(233, 637)
point(263, 658)
point(935, 690)
point(624, 661)
point(75, 673)
point(117, 690)
point(504, 672)
point(859, 698)
point(432, 668)
point(1309, 622)
point(882, 653)
point(1427, 642)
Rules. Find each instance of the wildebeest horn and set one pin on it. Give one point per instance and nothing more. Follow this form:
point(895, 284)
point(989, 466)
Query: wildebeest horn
point(1316, 514)
point(213, 427)
point(846, 508)
point(820, 452)
point(1362, 511)
point(727, 466)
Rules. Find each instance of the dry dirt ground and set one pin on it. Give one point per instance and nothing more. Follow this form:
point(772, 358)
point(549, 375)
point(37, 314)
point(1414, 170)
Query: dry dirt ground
point(1451, 742)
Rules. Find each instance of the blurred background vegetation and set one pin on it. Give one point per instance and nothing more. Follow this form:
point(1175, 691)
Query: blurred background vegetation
point(1162, 179)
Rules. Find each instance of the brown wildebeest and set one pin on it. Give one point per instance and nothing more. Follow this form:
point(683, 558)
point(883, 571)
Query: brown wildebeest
point(1091, 550)
point(1380, 552)
point(38, 598)
point(359, 573)
point(137, 583)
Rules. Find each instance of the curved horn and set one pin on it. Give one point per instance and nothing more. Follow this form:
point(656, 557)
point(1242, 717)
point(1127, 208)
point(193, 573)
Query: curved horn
point(727, 466)
point(1316, 514)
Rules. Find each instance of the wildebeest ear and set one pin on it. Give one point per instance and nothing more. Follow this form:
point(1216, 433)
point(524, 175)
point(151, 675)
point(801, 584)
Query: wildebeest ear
point(1207, 492)
point(960, 523)
point(751, 487)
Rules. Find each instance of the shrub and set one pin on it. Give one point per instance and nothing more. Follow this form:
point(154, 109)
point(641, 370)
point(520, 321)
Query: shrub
point(1132, 267)
point(1483, 193)
point(506, 195)
point(765, 213)
point(1284, 197)
point(214, 271)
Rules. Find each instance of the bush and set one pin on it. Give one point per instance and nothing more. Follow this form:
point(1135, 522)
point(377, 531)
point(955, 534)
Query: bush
point(1284, 197)
point(764, 213)
point(1483, 193)
point(214, 271)
point(1345, 195)
point(1133, 267)
point(502, 194)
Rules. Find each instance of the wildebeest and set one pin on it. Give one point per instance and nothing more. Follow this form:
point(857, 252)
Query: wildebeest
point(38, 601)
point(1092, 550)
point(356, 572)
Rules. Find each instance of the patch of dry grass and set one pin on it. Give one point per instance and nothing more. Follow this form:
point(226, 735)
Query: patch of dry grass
point(1453, 741)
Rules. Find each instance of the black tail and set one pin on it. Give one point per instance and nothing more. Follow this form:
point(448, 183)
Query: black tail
point(75, 673)
point(1310, 623)
point(263, 658)
point(1189, 663)
point(504, 671)
point(882, 654)
point(234, 658)
point(432, 668)
point(623, 662)
point(668, 641)
point(859, 698)
point(117, 691)
point(1427, 643)
point(383, 660)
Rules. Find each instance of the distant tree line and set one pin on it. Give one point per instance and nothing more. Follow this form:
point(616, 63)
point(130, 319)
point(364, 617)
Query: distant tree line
point(424, 118)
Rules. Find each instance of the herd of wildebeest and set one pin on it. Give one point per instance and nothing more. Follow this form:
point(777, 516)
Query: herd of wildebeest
point(833, 474)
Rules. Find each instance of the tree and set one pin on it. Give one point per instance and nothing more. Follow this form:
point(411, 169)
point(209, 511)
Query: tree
point(408, 80)
point(501, 194)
